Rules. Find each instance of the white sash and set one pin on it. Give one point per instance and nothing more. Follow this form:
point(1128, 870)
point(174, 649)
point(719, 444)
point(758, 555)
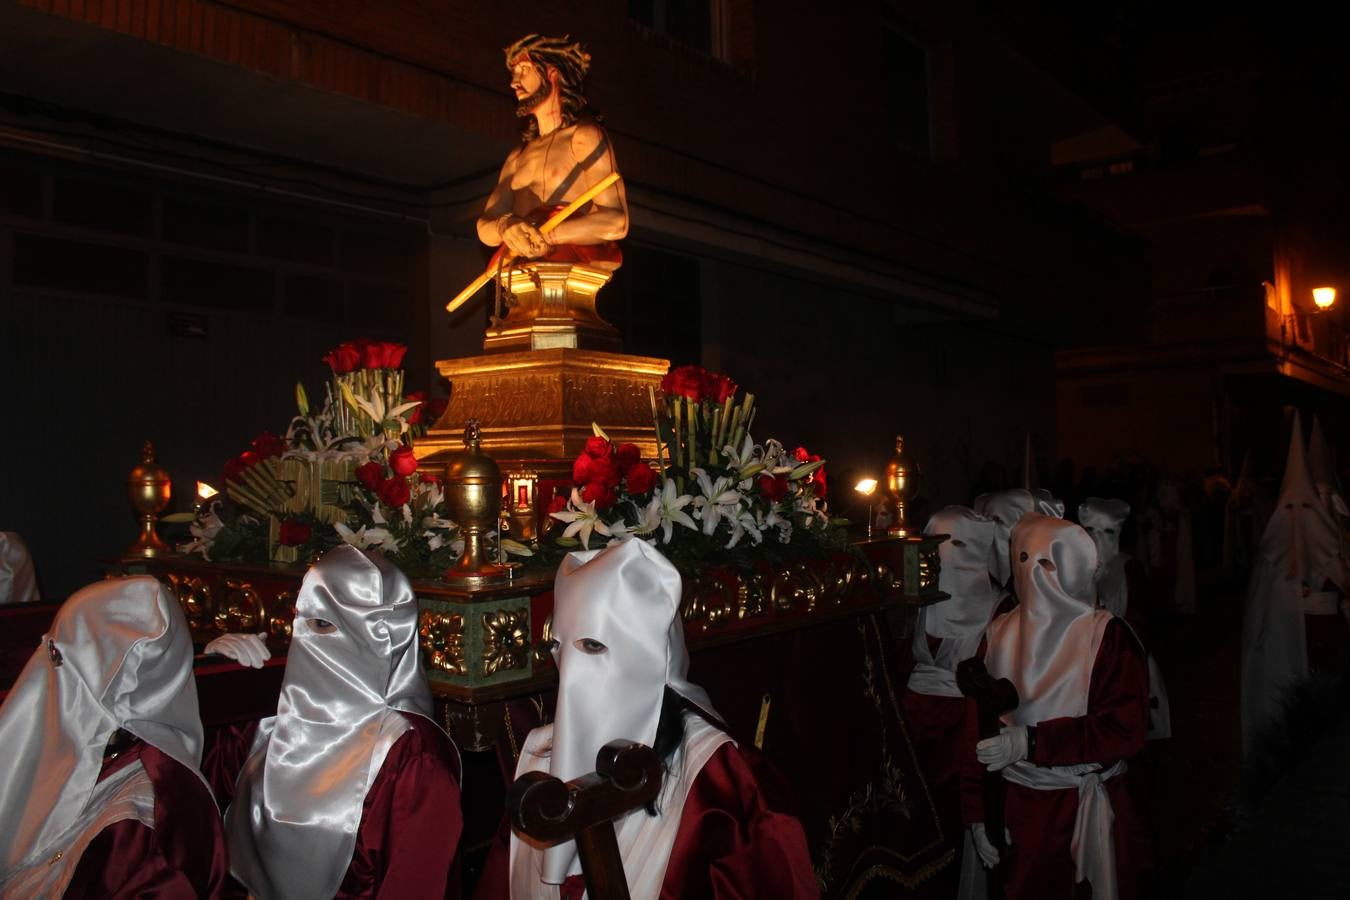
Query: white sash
point(1093, 846)
point(645, 841)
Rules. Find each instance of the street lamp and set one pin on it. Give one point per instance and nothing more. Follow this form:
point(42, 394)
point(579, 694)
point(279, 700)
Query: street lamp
point(1324, 297)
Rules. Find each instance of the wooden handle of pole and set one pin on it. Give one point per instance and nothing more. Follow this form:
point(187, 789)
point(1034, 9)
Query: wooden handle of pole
point(553, 222)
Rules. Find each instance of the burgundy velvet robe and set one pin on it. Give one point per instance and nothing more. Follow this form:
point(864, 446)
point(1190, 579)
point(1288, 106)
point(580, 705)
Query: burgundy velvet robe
point(183, 856)
point(732, 843)
point(410, 821)
point(1038, 864)
point(937, 726)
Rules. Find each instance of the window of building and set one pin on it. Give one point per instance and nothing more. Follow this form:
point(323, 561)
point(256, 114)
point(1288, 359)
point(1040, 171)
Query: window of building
point(697, 24)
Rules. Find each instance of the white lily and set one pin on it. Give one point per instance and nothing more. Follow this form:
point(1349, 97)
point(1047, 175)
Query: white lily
point(719, 500)
point(747, 461)
point(665, 509)
point(741, 524)
point(515, 548)
point(581, 518)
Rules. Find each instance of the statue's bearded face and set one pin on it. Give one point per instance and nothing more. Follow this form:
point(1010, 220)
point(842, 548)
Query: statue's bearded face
point(530, 85)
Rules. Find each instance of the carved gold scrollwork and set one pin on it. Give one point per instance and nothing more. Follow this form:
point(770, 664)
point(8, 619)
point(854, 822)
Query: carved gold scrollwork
point(930, 565)
point(441, 635)
point(888, 583)
point(193, 595)
point(506, 641)
point(282, 615)
point(843, 577)
point(706, 599)
point(752, 596)
point(543, 651)
point(796, 585)
point(241, 608)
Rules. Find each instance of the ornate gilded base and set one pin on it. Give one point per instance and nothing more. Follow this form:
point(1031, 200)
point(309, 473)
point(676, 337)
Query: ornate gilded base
point(553, 306)
point(473, 644)
point(539, 405)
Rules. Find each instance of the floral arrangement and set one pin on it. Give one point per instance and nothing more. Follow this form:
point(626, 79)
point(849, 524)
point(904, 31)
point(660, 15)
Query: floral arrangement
point(713, 488)
point(343, 472)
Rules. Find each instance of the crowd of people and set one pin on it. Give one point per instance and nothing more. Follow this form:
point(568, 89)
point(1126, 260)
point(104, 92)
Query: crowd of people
point(1032, 691)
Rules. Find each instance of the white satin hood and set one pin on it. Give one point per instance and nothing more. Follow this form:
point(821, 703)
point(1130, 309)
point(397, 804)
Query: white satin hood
point(1302, 541)
point(18, 582)
point(1006, 508)
point(961, 619)
point(351, 668)
point(625, 597)
point(1048, 644)
point(1322, 467)
point(1103, 520)
point(118, 655)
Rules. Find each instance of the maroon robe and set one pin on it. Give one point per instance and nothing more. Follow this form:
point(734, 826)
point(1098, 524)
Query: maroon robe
point(410, 821)
point(1038, 863)
point(182, 856)
point(733, 842)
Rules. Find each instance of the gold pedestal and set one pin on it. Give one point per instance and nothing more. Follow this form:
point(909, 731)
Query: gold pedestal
point(538, 405)
point(553, 307)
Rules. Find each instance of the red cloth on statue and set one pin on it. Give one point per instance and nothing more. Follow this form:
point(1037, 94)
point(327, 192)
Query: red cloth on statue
point(1038, 863)
point(182, 856)
point(606, 255)
point(410, 822)
point(734, 841)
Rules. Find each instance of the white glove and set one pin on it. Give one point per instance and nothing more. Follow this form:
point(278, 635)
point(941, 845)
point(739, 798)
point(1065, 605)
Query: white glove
point(245, 649)
point(1006, 748)
point(987, 852)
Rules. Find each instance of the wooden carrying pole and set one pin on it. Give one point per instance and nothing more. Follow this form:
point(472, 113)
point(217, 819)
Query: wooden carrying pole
point(553, 222)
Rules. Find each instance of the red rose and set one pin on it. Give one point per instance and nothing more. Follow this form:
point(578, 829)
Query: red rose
point(371, 475)
point(604, 471)
point(248, 459)
point(415, 414)
point(381, 354)
point(802, 456)
point(268, 445)
point(402, 460)
point(343, 358)
point(428, 479)
point(626, 456)
point(818, 480)
point(684, 381)
point(597, 447)
point(558, 503)
point(600, 494)
point(717, 387)
point(293, 533)
point(640, 479)
point(581, 469)
point(773, 487)
point(395, 492)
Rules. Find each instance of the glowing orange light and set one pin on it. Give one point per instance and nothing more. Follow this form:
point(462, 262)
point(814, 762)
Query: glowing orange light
point(205, 491)
point(1324, 297)
point(867, 486)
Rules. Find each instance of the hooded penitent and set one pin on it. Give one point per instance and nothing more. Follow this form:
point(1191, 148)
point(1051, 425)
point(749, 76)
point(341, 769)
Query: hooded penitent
point(1322, 467)
point(1103, 520)
point(1006, 508)
point(620, 644)
point(1298, 569)
point(118, 655)
point(1047, 647)
point(351, 672)
point(961, 619)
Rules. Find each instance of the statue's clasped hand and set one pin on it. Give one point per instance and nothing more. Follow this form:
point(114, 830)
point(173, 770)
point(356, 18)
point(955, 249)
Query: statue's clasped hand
point(523, 239)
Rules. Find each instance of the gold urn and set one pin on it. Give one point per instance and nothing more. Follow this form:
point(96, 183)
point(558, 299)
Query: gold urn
point(473, 497)
point(901, 486)
point(149, 490)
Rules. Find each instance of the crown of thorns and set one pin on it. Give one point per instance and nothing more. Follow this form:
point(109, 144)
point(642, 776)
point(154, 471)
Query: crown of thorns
point(561, 53)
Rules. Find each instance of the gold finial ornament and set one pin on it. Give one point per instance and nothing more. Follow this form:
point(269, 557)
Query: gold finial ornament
point(473, 496)
point(149, 489)
point(901, 486)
